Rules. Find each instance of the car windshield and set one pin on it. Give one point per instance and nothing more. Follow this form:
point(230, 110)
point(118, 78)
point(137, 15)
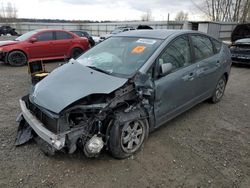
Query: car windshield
point(120, 56)
point(26, 36)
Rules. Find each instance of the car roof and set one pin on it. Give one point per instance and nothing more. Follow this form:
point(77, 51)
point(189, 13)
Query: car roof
point(39, 30)
point(53, 30)
point(77, 31)
point(122, 27)
point(156, 33)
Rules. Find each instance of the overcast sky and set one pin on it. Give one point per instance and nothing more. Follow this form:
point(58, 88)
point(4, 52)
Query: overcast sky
point(103, 9)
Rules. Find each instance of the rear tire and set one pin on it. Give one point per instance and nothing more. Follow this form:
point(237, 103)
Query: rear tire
point(16, 58)
point(219, 90)
point(76, 52)
point(128, 138)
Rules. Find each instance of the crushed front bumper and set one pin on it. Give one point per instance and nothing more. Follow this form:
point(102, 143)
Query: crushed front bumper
point(55, 140)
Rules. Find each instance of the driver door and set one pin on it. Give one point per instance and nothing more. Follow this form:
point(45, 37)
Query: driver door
point(174, 92)
point(43, 47)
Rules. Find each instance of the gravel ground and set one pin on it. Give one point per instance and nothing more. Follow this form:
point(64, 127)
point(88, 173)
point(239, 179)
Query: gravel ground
point(208, 146)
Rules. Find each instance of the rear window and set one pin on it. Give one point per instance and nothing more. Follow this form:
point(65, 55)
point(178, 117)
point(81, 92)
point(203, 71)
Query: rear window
point(60, 35)
point(203, 47)
point(77, 33)
point(80, 34)
point(85, 34)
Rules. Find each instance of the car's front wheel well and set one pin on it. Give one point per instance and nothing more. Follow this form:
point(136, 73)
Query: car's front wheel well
point(226, 76)
point(17, 50)
point(131, 126)
point(76, 52)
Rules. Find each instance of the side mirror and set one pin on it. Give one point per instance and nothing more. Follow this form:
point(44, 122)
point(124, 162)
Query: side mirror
point(32, 40)
point(166, 68)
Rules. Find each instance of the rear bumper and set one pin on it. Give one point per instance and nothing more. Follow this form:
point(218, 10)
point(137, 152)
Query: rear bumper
point(55, 140)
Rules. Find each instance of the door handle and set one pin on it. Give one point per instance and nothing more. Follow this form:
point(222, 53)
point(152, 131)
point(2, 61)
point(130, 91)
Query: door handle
point(188, 77)
point(217, 63)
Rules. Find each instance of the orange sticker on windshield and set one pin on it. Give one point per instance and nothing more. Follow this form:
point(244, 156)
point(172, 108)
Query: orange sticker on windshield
point(138, 49)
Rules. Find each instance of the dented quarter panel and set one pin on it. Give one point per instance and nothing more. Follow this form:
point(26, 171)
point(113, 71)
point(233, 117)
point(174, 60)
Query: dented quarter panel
point(63, 86)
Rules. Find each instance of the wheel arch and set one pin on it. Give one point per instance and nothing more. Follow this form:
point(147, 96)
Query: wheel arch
point(114, 142)
point(226, 76)
point(12, 50)
point(76, 46)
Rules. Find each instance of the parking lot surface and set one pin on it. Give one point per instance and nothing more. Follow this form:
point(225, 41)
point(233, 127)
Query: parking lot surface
point(208, 146)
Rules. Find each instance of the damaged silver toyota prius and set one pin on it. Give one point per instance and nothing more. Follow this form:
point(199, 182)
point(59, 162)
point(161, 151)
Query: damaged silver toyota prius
point(113, 95)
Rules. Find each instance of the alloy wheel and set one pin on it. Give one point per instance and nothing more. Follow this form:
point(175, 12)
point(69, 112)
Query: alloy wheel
point(220, 88)
point(132, 136)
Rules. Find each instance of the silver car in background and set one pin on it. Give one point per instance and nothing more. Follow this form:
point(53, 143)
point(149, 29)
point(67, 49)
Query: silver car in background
point(116, 31)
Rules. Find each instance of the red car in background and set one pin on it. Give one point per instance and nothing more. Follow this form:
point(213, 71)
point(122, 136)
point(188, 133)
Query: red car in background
point(43, 44)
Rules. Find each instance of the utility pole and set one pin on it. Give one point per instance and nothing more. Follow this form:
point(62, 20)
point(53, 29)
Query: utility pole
point(3, 12)
point(168, 21)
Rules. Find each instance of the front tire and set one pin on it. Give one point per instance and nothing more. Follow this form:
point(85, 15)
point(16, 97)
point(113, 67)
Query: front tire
point(16, 58)
point(128, 138)
point(219, 90)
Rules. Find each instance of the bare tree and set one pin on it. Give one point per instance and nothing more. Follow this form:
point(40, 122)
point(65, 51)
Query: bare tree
point(181, 16)
point(225, 10)
point(8, 12)
point(147, 16)
point(248, 17)
point(2, 12)
point(246, 12)
point(11, 11)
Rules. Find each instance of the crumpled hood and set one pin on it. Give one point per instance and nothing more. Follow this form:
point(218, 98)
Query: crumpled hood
point(7, 42)
point(72, 82)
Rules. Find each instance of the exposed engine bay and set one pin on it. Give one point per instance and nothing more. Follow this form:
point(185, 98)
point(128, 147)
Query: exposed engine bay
point(86, 123)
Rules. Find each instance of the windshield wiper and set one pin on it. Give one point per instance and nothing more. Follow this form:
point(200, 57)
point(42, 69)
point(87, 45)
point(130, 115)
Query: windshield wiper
point(100, 70)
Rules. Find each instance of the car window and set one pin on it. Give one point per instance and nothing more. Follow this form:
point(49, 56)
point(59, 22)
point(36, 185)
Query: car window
point(26, 35)
point(45, 36)
point(121, 56)
point(217, 45)
point(86, 34)
point(203, 47)
point(60, 35)
point(80, 34)
point(177, 53)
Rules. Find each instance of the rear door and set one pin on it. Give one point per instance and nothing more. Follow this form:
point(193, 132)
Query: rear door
point(63, 43)
point(43, 47)
point(175, 92)
point(208, 63)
